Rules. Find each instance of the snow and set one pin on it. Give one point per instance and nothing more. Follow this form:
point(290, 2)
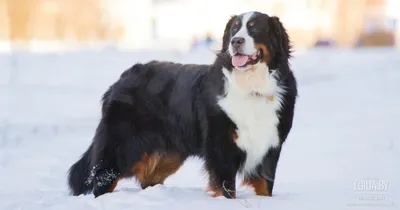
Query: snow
point(344, 135)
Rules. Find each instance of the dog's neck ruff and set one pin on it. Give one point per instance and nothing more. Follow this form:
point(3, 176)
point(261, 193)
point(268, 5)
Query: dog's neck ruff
point(259, 93)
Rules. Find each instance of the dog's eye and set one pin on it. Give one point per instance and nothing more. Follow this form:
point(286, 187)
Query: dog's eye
point(235, 29)
point(254, 29)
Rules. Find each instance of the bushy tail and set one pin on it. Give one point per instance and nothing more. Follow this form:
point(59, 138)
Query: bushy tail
point(78, 177)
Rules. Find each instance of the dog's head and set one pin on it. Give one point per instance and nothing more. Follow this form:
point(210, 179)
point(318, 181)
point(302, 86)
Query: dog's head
point(253, 38)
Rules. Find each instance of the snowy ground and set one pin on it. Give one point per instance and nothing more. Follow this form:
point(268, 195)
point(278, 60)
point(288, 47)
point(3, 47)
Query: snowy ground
point(344, 137)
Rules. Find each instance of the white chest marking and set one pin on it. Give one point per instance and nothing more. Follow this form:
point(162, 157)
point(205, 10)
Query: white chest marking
point(255, 117)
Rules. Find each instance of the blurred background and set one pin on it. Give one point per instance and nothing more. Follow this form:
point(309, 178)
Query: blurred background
point(43, 25)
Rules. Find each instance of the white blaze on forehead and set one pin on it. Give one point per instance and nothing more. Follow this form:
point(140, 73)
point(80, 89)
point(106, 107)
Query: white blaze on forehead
point(248, 47)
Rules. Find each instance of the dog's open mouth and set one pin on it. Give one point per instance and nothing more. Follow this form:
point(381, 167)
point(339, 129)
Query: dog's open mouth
point(242, 60)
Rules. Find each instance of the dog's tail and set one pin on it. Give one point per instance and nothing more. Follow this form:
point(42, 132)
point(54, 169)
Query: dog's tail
point(79, 174)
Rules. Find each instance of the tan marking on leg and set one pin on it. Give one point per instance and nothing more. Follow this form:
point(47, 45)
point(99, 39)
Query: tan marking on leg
point(140, 168)
point(166, 165)
point(155, 168)
point(114, 185)
point(259, 185)
point(217, 191)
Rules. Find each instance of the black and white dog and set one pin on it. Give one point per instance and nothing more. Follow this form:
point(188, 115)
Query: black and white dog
point(235, 114)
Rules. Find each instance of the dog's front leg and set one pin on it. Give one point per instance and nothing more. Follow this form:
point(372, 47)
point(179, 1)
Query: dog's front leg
point(222, 157)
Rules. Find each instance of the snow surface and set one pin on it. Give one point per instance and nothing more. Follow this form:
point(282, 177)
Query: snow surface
point(344, 133)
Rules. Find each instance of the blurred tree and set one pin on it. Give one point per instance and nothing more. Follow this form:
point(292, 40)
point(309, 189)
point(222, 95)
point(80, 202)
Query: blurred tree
point(81, 20)
point(88, 19)
point(3, 20)
point(59, 22)
point(19, 14)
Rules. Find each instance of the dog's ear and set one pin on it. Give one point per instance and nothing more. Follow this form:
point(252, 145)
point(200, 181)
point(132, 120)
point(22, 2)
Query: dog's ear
point(280, 36)
point(227, 34)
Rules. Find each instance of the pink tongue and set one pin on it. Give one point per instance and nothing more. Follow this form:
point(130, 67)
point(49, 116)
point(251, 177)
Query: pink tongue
point(239, 60)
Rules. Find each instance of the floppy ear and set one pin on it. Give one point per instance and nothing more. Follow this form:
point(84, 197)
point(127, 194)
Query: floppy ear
point(227, 34)
point(280, 36)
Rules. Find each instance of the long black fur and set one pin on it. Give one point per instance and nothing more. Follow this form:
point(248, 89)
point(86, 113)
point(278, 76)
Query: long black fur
point(170, 107)
point(79, 173)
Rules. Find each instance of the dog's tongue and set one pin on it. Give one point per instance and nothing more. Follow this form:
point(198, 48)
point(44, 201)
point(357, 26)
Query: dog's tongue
point(239, 60)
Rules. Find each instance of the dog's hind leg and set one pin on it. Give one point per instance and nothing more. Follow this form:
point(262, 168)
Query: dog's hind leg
point(105, 171)
point(155, 168)
point(168, 165)
point(114, 154)
point(106, 179)
point(109, 171)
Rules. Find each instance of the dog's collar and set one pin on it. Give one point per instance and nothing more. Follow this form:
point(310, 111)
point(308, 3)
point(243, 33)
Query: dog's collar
point(270, 98)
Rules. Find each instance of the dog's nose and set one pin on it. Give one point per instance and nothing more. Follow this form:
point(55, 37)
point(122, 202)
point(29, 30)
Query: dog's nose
point(237, 41)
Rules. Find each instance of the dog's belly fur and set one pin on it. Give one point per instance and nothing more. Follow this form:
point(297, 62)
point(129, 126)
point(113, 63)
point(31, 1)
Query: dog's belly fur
point(255, 117)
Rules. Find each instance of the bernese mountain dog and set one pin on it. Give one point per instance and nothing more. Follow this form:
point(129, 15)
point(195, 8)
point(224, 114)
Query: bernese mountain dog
point(235, 114)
